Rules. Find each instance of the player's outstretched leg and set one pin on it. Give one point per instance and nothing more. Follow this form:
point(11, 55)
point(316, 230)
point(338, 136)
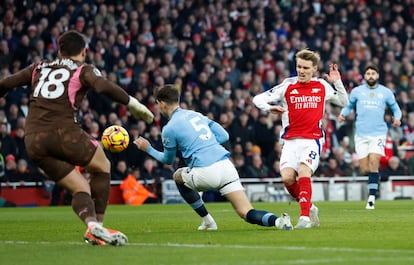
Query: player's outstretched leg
point(265, 218)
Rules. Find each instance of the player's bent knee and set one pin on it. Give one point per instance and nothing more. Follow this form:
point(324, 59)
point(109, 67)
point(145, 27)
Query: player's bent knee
point(288, 180)
point(177, 176)
point(99, 162)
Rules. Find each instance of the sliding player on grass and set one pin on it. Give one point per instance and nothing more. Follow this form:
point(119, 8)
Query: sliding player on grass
point(199, 140)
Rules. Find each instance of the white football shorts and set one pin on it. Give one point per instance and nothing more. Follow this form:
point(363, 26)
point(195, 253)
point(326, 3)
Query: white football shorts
point(369, 144)
point(296, 151)
point(221, 176)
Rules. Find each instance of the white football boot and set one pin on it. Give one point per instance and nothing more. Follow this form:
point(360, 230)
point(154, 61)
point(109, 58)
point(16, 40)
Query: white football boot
point(314, 216)
point(283, 222)
point(304, 222)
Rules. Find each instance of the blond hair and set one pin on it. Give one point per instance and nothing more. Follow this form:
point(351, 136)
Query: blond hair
point(308, 55)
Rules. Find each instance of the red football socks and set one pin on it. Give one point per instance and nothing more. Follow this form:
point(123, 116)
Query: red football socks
point(293, 190)
point(305, 195)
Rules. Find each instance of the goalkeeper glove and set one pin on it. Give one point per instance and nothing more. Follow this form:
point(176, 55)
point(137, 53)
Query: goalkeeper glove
point(140, 111)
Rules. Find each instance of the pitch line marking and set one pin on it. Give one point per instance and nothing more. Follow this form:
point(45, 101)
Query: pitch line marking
point(291, 248)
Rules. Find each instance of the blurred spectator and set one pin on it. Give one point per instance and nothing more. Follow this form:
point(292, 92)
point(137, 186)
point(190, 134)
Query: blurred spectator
point(134, 192)
point(241, 131)
point(5, 54)
point(220, 96)
point(353, 169)
point(263, 134)
point(20, 145)
point(167, 171)
point(274, 171)
point(331, 169)
point(120, 172)
point(151, 176)
point(105, 18)
point(394, 168)
point(402, 155)
point(3, 117)
point(408, 130)
point(24, 105)
point(134, 156)
point(21, 53)
point(274, 154)
point(13, 116)
point(410, 166)
point(208, 106)
point(239, 163)
point(26, 174)
point(8, 145)
point(250, 150)
point(155, 138)
point(257, 169)
point(94, 130)
point(10, 168)
point(2, 170)
point(20, 172)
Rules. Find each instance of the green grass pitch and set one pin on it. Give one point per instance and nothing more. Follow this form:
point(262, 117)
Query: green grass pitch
point(167, 234)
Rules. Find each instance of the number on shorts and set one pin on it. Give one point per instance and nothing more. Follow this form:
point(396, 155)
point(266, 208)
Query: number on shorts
point(198, 127)
point(313, 155)
point(381, 143)
point(51, 78)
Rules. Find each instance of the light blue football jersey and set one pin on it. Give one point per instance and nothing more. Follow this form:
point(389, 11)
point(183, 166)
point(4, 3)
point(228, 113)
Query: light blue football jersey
point(370, 105)
point(197, 138)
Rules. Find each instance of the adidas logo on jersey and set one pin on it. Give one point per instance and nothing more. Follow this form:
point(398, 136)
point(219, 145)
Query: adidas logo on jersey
point(294, 92)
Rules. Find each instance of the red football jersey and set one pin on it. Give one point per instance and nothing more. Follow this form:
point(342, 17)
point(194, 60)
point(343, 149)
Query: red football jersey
point(304, 104)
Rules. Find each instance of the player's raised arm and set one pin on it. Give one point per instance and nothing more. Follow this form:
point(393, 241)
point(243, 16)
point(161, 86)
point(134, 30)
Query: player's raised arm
point(334, 77)
point(262, 100)
point(219, 132)
point(20, 78)
point(101, 85)
point(166, 157)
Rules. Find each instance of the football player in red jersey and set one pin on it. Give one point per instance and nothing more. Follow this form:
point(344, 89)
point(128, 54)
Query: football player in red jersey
point(302, 105)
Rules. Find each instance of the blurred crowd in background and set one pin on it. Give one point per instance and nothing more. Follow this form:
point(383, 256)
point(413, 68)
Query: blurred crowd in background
point(221, 54)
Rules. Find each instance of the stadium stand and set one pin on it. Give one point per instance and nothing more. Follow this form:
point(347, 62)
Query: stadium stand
point(221, 53)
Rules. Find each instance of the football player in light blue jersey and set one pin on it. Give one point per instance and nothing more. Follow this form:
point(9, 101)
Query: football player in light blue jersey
point(370, 101)
point(199, 140)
